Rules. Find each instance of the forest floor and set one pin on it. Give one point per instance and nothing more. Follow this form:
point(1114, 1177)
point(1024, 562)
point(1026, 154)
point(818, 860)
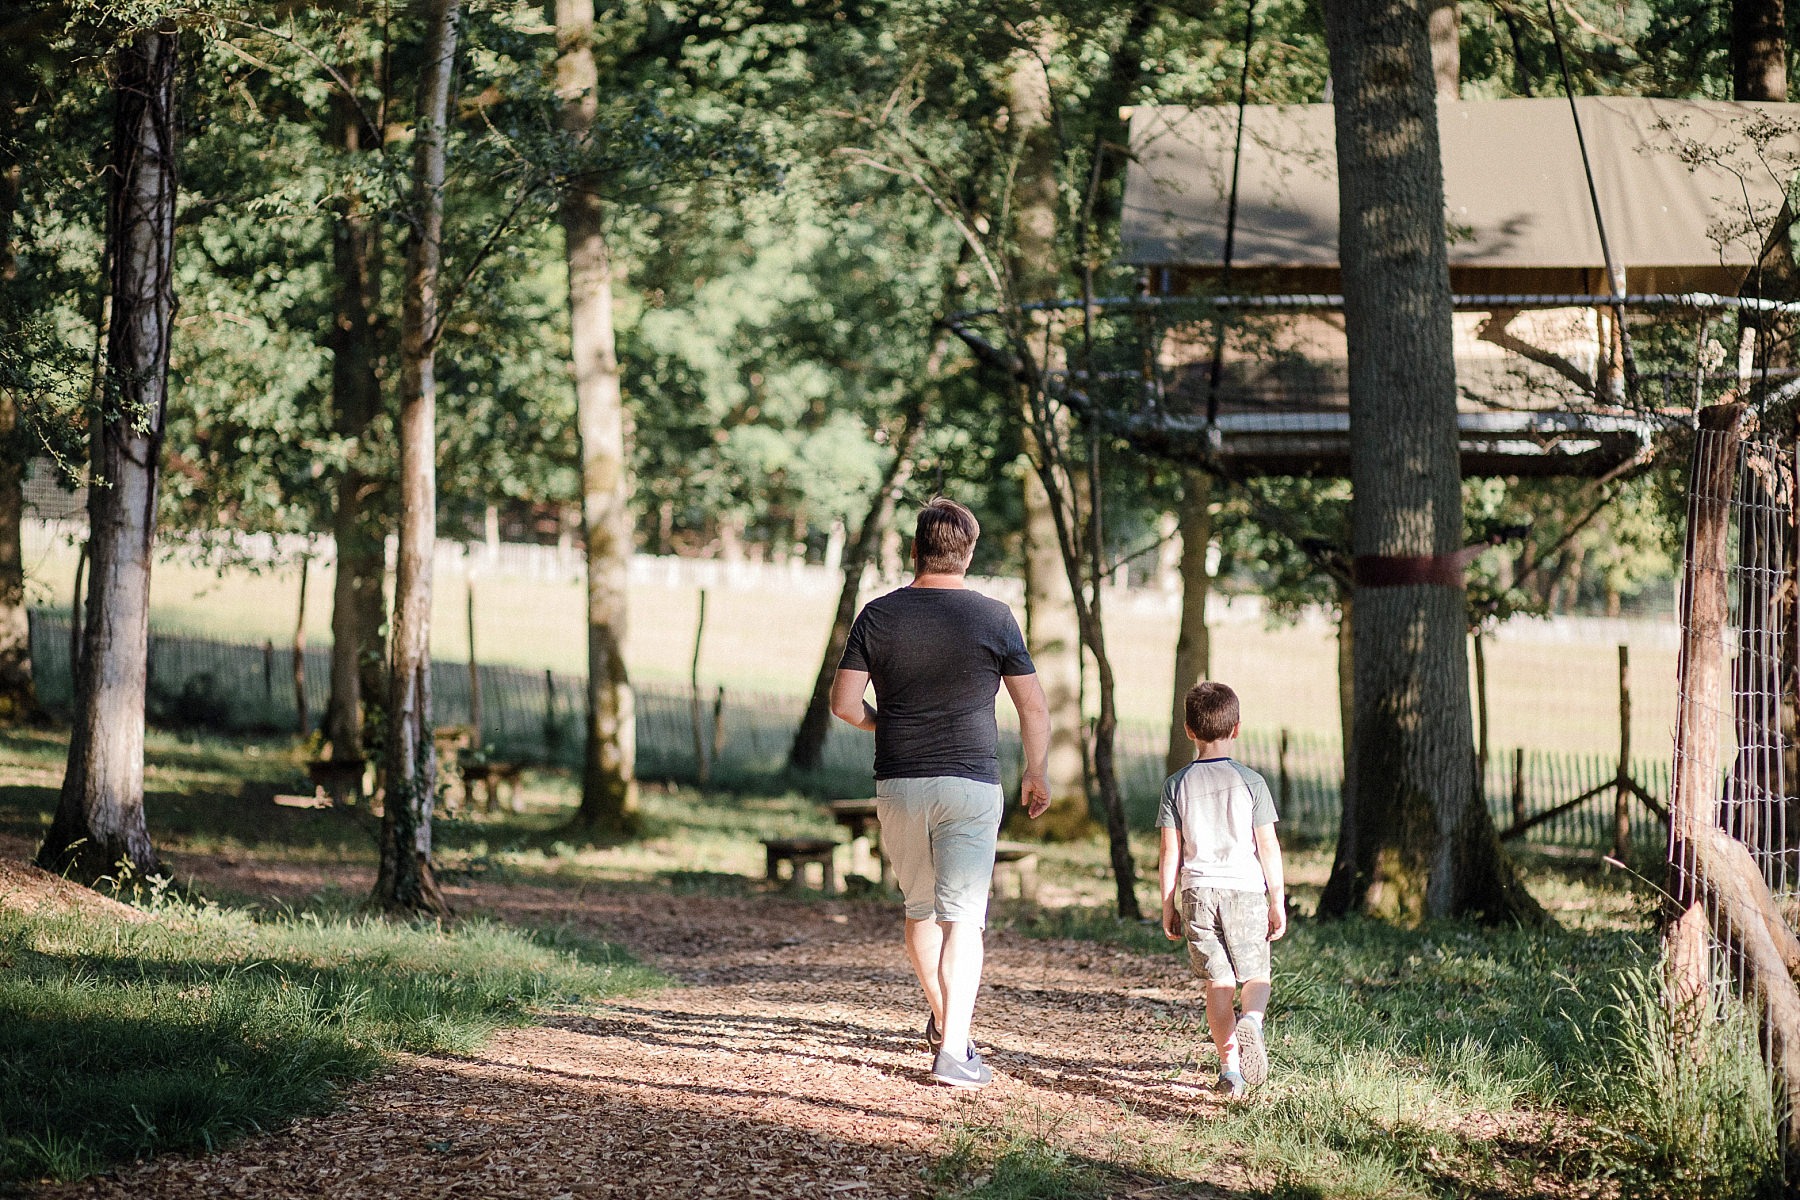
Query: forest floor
point(783, 1057)
point(786, 1062)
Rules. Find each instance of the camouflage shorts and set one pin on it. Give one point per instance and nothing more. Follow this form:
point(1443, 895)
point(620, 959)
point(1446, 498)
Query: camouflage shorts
point(1227, 934)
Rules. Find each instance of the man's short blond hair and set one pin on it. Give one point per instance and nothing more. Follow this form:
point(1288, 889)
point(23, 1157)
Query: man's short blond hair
point(1211, 711)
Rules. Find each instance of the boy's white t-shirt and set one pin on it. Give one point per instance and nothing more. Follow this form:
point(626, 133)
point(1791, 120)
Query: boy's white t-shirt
point(1217, 804)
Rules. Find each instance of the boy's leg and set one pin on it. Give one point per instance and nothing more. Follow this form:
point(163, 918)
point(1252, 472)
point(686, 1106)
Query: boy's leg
point(1256, 997)
point(1221, 1020)
point(925, 947)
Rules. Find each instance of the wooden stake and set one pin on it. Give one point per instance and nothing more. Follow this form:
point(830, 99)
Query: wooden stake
point(1621, 798)
point(476, 741)
point(702, 768)
point(300, 718)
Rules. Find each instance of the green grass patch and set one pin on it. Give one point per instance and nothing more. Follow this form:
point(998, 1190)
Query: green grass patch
point(1452, 1060)
point(118, 1041)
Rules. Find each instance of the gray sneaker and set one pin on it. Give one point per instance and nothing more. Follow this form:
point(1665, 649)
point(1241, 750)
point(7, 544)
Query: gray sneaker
point(1253, 1055)
point(1230, 1084)
point(946, 1068)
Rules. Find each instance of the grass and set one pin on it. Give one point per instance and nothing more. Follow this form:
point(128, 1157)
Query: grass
point(1452, 1060)
point(123, 1040)
point(1447, 1060)
point(213, 1020)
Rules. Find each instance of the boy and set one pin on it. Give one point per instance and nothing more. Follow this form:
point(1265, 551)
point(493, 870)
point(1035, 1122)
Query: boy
point(1221, 881)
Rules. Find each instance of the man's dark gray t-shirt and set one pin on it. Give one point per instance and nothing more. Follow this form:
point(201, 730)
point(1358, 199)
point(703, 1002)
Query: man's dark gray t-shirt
point(936, 657)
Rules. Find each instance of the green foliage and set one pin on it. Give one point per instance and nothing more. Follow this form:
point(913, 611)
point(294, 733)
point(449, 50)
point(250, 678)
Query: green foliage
point(119, 1040)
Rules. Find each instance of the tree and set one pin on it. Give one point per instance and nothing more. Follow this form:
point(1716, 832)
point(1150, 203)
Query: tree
point(356, 400)
point(405, 880)
point(99, 820)
point(1193, 642)
point(608, 781)
point(1416, 838)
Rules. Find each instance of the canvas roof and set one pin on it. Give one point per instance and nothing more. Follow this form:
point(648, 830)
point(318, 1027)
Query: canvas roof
point(1672, 177)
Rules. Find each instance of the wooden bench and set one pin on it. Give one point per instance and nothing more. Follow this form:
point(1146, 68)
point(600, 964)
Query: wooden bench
point(797, 852)
point(491, 776)
point(339, 778)
point(1016, 861)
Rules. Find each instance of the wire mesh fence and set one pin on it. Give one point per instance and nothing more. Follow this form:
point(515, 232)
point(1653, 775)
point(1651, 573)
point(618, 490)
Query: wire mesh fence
point(1732, 849)
point(736, 738)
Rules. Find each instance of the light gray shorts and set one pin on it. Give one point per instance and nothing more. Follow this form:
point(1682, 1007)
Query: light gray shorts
point(1227, 934)
point(939, 835)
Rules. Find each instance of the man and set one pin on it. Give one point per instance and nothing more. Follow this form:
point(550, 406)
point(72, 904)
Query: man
point(937, 654)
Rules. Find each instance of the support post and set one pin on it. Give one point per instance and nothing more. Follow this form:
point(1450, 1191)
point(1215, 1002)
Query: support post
point(1694, 798)
point(1622, 799)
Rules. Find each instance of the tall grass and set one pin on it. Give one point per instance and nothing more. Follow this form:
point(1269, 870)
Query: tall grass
point(120, 1040)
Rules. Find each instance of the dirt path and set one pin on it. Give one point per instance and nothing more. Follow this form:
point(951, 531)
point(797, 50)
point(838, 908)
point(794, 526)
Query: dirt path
point(789, 1063)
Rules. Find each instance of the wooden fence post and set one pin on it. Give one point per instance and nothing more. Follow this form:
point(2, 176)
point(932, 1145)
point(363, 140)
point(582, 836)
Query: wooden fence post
point(1694, 796)
point(1518, 787)
point(702, 765)
point(1621, 801)
point(476, 741)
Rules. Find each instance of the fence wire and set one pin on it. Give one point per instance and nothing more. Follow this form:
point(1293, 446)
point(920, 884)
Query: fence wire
point(1732, 849)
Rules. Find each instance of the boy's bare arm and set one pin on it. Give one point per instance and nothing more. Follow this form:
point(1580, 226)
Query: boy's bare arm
point(1168, 870)
point(1268, 852)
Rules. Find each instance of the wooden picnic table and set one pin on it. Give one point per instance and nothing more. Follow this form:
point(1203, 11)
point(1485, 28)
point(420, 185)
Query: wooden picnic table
point(858, 816)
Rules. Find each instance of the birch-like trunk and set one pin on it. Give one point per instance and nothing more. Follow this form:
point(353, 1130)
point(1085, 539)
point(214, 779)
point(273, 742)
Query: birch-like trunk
point(1422, 842)
point(406, 881)
point(608, 777)
point(99, 819)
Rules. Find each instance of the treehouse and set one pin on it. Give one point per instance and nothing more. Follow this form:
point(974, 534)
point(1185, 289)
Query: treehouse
point(1555, 281)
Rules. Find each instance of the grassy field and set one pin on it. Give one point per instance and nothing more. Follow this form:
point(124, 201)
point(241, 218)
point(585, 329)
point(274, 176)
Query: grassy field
point(1551, 687)
point(1442, 1061)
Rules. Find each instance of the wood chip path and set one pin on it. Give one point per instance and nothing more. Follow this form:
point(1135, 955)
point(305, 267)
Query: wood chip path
point(786, 1063)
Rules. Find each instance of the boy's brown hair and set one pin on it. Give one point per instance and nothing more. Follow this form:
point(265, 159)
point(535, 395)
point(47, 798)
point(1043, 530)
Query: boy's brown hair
point(944, 538)
point(1211, 711)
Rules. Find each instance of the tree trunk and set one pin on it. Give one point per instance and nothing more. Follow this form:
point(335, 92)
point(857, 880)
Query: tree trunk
point(99, 819)
point(608, 777)
point(406, 881)
point(357, 600)
point(808, 750)
point(1758, 50)
point(18, 691)
point(1053, 636)
point(1423, 844)
point(1193, 645)
point(1445, 31)
point(1052, 630)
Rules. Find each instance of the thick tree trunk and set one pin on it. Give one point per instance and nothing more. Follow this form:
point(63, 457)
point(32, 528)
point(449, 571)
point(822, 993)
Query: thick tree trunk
point(1423, 843)
point(405, 881)
point(808, 750)
point(99, 819)
point(608, 777)
point(1193, 645)
point(1053, 635)
point(356, 401)
point(1758, 50)
point(18, 691)
point(1445, 30)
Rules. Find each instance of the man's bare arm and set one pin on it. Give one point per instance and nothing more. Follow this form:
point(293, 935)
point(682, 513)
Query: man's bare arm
point(1034, 731)
point(847, 703)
